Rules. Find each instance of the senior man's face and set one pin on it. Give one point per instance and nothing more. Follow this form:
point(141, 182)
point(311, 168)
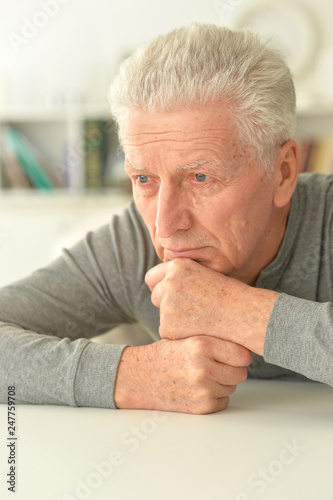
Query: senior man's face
point(201, 193)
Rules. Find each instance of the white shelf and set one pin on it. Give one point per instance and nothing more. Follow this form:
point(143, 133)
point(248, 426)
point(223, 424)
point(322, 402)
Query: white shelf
point(59, 134)
point(11, 199)
point(52, 129)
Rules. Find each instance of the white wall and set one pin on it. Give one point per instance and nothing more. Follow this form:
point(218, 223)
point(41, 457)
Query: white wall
point(83, 42)
point(78, 45)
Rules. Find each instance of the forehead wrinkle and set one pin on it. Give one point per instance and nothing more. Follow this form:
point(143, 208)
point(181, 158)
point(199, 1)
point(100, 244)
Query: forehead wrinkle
point(168, 135)
point(177, 131)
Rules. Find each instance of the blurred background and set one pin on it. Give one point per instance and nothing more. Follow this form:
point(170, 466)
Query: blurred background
point(58, 52)
point(61, 168)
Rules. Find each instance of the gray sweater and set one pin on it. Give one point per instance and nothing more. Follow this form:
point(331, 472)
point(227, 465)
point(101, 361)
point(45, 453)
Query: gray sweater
point(47, 319)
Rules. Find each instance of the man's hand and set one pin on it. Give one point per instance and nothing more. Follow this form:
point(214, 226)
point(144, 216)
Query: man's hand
point(193, 375)
point(195, 300)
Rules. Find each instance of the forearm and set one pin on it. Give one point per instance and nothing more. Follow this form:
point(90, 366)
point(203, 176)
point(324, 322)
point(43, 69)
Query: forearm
point(48, 370)
point(42, 321)
point(251, 318)
point(300, 337)
point(45, 321)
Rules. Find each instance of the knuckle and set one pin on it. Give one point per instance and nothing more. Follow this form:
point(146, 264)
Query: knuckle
point(170, 287)
point(177, 263)
point(168, 309)
point(198, 377)
point(174, 267)
point(177, 266)
point(196, 345)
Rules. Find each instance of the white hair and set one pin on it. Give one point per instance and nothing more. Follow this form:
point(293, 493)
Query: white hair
point(202, 63)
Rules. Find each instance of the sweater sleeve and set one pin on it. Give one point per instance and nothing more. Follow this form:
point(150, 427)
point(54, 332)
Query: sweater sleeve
point(47, 319)
point(299, 337)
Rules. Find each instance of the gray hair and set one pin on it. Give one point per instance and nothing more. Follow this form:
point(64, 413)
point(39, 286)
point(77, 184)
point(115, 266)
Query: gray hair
point(201, 63)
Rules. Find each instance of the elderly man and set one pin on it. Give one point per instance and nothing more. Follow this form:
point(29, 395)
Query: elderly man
point(225, 253)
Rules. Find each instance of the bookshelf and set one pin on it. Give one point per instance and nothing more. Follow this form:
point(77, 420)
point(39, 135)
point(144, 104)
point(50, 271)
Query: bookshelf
point(315, 136)
point(78, 144)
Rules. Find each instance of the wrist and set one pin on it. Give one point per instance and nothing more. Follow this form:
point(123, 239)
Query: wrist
point(259, 306)
point(124, 379)
point(132, 378)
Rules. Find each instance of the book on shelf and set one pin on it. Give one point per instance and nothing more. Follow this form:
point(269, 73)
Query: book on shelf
point(91, 160)
point(23, 165)
point(12, 173)
point(104, 162)
point(95, 153)
point(116, 174)
point(316, 154)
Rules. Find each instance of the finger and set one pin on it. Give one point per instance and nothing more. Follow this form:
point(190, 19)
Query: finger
point(222, 403)
point(157, 294)
point(227, 375)
point(155, 275)
point(224, 351)
point(215, 405)
point(219, 391)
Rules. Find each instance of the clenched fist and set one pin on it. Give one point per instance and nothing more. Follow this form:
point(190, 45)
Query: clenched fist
point(196, 300)
point(193, 375)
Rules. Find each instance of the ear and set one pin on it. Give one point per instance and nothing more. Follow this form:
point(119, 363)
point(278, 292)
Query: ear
point(286, 169)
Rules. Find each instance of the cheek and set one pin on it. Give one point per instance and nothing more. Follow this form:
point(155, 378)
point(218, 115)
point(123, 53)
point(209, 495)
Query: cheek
point(147, 209)
point(253, 222)
point(233, 223)
point(260, 209)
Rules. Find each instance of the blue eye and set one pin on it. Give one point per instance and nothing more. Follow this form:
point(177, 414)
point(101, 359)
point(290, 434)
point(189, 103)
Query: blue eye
point(142, 179)
point(201, 177)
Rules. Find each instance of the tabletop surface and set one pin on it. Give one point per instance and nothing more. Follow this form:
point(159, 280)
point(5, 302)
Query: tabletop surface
point(274, 441)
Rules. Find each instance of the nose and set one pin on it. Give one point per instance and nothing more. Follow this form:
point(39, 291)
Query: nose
point(173, 214)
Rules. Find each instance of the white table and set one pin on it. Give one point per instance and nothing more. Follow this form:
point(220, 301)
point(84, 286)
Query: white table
point(274, 442)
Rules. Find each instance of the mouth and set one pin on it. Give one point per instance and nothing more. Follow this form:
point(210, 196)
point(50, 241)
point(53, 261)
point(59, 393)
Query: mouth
point(186, 253)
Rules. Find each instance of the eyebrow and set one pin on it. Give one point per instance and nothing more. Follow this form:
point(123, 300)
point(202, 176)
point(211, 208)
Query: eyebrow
point(193, 165)
point(137, 168)
point(188, 166)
